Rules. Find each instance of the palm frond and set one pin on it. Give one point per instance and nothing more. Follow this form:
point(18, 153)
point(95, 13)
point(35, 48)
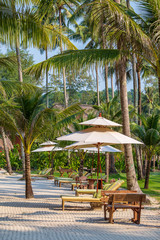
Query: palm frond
point(74, 59)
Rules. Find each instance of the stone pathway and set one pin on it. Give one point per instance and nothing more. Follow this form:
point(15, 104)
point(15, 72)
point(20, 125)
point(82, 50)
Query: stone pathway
point(41, 218)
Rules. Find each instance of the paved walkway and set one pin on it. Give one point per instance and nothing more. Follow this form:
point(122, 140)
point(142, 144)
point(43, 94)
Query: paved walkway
point(41, 218)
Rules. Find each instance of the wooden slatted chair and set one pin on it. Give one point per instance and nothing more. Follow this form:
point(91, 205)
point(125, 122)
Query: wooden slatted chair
point(125, 201)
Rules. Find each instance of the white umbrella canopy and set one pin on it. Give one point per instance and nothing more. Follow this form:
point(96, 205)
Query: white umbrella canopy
point(48, 149)
point(91, 147)
point(100, 121)
point(48, 143)
point(101, 135)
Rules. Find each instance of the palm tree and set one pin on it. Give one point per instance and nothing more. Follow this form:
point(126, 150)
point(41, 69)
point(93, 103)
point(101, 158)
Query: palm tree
point(30, 119)
point(7, 62)
point(149, 133)
point(57, 7)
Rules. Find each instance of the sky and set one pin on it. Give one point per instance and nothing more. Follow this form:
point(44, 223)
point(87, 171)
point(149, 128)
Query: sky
point(38, 57)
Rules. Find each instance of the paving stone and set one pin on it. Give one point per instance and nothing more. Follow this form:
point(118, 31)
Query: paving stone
point(41, 218)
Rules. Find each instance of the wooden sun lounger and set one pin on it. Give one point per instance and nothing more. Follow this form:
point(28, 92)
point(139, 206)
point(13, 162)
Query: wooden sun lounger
point(44, 173)
point(65, 170)
point(90, 199)
point(113, 186)
point(62, 179)
point(78, 199)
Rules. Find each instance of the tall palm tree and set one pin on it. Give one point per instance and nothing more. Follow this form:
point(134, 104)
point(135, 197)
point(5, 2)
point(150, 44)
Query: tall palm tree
point(7, 62)
point(30, 119)
point(57, 6)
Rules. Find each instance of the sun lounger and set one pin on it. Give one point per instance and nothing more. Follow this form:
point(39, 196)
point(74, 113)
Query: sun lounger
point(78, 199)
point(43, 173)
point(76, 181)
point(57, 179)
point(113, 186)
point(99, 199)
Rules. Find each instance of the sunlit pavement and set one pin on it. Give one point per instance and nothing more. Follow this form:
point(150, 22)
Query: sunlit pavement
point(41, 218)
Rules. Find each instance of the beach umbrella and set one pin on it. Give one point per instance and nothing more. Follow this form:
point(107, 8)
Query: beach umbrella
point(91, 147)
point(48, 149)
point(100, 121)
point(48, 143)
point(48, 146)
point(101, 135)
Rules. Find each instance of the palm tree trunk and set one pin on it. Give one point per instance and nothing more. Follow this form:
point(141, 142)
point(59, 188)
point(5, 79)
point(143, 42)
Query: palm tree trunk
point(159, 86)
point(9, 168)
point(97, 81)
point(64, 75)
point(128, 3)
point(139, 97)
point(145, 165)
point(81, 167)
point(107, 166)
point(23, 159)
point(154, 163)
point(47, 100)
point(158, 163)
point(105, 66)
point(106, 82)
point(19, 61)
point(134, 81)
point(132, 183)
point(29, 191)
point(21, 80)
point(112, 164)
point(117, 77)
point(139, 163)
point(146, 185)
point(112, 86)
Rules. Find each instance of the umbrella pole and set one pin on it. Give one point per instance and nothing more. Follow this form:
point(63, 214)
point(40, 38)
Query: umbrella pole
point(98, 167)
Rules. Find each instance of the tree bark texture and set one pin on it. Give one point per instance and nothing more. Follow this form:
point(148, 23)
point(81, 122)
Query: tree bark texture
point(97, 81)
point(29, 191)
point(21, 80)
point(146, 185)
point(112, 85)
point(112, 168)
point(19, 61)
point(159, 87)
point(154, 163)
point(128, 3)
point(47, 99)
point(81, 168)
point(139, 98)
point(61, 48)
point(134, 81)
point(105, 66)
point(139, 163)
point(158, 163)
point(107, 166)
point(106, 82)
point(9, 168)
point(23, 158)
